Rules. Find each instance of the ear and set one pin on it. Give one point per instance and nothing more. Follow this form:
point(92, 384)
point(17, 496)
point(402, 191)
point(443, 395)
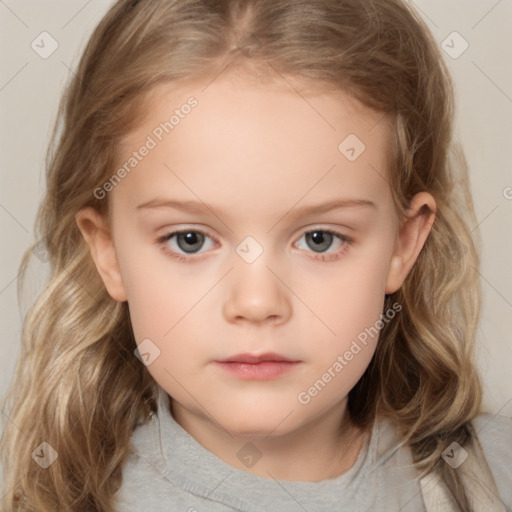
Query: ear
point(410, 239)
point(97, 234)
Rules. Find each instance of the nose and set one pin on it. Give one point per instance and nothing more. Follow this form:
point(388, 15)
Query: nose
point(257, 294)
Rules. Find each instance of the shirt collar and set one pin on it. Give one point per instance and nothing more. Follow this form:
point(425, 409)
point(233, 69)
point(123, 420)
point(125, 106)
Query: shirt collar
point(186, 464)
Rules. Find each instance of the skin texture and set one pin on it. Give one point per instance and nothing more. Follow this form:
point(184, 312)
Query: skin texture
point(256, 153)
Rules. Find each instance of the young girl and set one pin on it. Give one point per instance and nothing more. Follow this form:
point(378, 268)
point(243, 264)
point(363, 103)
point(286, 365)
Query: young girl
point(263, 293)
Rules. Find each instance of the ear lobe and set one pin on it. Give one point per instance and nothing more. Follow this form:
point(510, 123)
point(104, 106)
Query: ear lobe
point(96, 233)
point(410, 239)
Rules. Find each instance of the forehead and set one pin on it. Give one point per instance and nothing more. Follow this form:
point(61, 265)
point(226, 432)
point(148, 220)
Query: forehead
point(283, 138)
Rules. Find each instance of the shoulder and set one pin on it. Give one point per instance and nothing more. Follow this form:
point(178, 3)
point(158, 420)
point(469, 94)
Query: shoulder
point(495, 435)
point(137, 474)
point(145, 487)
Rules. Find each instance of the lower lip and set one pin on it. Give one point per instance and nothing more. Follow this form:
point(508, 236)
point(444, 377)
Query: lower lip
point(266, 370)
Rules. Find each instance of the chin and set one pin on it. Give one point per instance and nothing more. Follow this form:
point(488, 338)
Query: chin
point(254, 431)
point(257, 424)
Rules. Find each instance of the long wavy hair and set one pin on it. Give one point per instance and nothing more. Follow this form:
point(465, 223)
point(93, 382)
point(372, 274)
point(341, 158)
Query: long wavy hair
point(79, 387)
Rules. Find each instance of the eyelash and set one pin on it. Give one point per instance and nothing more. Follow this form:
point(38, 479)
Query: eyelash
point(162, 241)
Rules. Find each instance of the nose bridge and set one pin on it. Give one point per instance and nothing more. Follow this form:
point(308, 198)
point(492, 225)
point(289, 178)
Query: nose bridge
point(255, 292)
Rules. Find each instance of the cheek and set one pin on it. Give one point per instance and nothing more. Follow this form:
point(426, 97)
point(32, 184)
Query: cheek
point(168, 305)
point(352, 298)
point(352, 307)
point(340, 359)
point(156, 294)
point(161, 301)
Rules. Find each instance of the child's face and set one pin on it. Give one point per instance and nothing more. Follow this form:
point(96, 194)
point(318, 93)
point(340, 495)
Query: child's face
point(253, 157)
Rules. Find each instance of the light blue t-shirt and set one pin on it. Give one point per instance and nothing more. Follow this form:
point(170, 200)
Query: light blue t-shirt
point(168, 470)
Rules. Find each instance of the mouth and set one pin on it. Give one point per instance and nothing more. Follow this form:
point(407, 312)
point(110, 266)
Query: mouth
point(252, 367)
point(255, 359)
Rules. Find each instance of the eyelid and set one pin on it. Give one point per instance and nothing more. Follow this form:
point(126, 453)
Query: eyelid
point(323, 228)
point(187, 228)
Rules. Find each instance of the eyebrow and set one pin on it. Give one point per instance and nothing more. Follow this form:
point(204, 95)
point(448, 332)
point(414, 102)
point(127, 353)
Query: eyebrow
point(199, 207)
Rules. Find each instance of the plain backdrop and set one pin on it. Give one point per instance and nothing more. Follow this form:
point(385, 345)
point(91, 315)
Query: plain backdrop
point(477, 45)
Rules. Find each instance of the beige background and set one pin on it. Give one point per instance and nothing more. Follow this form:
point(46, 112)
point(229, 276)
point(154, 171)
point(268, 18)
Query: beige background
point(30, 87)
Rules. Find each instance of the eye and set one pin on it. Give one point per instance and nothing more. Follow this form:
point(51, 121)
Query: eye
point(189, 241)
point(186, 243)
point(320, 240)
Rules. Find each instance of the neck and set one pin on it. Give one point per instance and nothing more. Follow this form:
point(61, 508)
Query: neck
point(324, 448)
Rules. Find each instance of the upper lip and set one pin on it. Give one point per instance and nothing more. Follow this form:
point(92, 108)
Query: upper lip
point(252, 358)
